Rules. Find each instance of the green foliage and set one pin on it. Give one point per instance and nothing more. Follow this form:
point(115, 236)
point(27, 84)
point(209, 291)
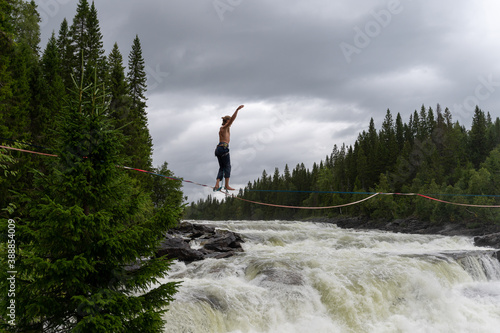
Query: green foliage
point(140, 145)
point(86, 231)
point(166, 191)
point(478, 144)
point(88, 244)
point(382, 206)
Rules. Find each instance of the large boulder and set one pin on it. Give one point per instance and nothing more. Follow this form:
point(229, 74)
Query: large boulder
point(491, 240)
point(178, 248)
point(223, 241)
point(191, 242)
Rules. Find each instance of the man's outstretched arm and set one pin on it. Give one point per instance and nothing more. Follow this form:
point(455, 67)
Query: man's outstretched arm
point(233, 117)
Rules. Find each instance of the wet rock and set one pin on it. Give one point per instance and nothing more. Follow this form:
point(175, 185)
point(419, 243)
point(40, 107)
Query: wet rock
point(213, 243)
point(178, 248)
point(491, 240)
point(282, 276)
point(223, 241)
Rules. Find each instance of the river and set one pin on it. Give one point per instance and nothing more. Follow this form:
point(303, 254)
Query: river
point(315, 278)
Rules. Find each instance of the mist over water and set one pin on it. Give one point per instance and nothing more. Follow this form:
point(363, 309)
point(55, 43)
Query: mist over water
point(311, 277)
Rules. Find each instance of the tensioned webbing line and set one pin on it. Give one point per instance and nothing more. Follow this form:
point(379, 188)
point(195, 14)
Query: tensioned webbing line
point(28, 151)
point(456, 203)
point(372, 194)
point(302, 207)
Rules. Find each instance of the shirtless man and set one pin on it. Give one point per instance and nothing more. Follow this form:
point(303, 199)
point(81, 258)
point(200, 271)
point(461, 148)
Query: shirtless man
point(222, 151)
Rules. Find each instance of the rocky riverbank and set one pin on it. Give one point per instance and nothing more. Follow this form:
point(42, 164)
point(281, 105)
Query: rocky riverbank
point(484, 234)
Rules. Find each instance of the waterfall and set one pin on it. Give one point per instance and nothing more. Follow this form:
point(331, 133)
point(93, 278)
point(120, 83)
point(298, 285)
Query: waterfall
point(311, 277)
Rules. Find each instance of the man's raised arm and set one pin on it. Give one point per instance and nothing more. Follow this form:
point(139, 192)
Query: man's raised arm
point(233, 117)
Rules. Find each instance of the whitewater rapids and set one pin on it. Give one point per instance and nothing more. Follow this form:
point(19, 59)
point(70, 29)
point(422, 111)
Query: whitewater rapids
point(311, 277)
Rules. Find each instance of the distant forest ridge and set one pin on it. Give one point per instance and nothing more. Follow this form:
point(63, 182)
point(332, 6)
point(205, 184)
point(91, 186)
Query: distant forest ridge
point(429, 154)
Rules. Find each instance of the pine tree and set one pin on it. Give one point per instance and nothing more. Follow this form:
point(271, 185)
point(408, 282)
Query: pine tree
point(372, 150)
point(362, 167)
point(6, 53)
point(140, 146)
point(96, 65)
point(55, 91)
point(24, 57)
point(448, 118)
point(431, 121)
point(23, 72)
point(388, 145)
point(26, 21)
point(422, 125)
point(66, 52)
point(400, 133)
point(78, 35)
point(166, 191)
point(120, 101)
point(87, 262)
point(478, 143)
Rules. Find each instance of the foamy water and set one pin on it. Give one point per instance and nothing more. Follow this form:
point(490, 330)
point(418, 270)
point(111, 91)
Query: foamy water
point(309, 277)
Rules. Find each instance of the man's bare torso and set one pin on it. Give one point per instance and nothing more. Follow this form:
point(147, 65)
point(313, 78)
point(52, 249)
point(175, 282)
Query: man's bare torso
point(224, 134)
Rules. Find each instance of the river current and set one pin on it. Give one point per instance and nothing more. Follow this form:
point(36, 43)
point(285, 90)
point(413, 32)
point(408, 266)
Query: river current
point(312, 277)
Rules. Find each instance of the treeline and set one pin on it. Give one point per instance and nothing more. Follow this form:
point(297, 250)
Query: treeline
point(429, 154)
point(82, 231)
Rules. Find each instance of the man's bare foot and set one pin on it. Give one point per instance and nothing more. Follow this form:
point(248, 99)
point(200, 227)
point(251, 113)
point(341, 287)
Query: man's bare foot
point(229, 188)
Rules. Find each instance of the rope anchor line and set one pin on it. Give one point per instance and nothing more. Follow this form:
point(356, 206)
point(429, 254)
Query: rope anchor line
point(372, 195)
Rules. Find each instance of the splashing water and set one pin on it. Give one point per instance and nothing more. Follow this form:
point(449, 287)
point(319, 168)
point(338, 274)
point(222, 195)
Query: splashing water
point(309, 277)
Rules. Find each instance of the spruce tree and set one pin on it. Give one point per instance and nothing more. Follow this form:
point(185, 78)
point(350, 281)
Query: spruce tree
point(166, 191)
point(140, 146)
point(6, 53)
point(55, 95)
point(24, 21)
point(96, 62)
point(400, 139)
point(373, 150)
point(87, 45)
point(66, 53)
point(120, 101)
point(388, 144)
point(21, 71)
point(78, 36)
point(88, 243)
point(478, 143)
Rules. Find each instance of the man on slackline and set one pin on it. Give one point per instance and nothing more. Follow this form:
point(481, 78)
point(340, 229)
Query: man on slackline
point(222, 151)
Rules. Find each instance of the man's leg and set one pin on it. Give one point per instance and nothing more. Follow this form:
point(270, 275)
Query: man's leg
point(220, 173)
point(227, 171)
point(226, 186)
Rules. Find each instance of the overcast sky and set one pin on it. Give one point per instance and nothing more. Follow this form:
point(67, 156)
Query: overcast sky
point(311, 73)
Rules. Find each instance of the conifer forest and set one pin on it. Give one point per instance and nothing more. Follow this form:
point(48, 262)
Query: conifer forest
point(78, 232)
